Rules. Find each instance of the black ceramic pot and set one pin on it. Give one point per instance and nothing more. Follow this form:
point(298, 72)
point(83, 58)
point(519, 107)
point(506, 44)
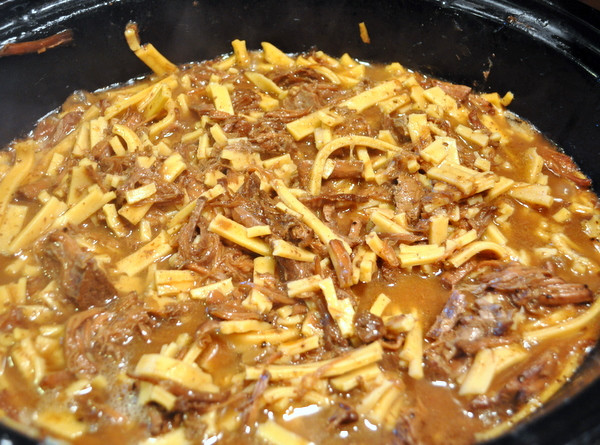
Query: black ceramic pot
point(546, 52)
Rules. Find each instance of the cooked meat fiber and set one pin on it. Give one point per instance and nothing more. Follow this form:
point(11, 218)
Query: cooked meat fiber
point(78, 275)
point(527, 285)
point(407, 196)
point(97, 335)
point(520, 388)
point(479, 312)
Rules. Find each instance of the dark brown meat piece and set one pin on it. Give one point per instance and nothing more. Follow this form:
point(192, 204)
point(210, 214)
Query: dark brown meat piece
point(528, 286)
point(451, 277)
point(196, 244)
point(189, 400)
point(468, 323)
point(93, 335)
point(343, 415)
point(294, 270)
point(479, 312)
point(77, 273)
point(563, 165)
point(31, 190)
point(227, 307)
point(346, 168)
point(458, 92)
point(403, 433)
point(251, 411)
point(342, 263)
point(57, 379)
point(166, 192)
point(522, 387)
point(447, 319)
point(481, 221)
point(54, 128)
point(408, 193)
point(79, 340)
point(332, 336)
point(369, 327)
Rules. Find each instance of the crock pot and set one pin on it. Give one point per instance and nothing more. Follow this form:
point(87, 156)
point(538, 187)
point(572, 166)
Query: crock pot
point(546, 52)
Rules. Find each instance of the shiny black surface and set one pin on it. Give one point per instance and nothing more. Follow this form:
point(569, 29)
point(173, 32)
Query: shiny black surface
point(546, 52)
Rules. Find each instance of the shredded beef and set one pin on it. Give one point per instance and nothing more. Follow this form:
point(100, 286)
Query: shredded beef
point(447, 319)
point(31, 190)
point(190, 400)
point(294, 270)
point(482, 220)
point(562, 165)
point(251, 410)
point(403, 433)
point(332, 336)
point(369, 327)
point(341, 262)
point(198, 248)
point(78, 275)
point(527, 286)
point(94, 335)
point(408, 193)
point(343, 415)
point(479, 312)
point(346, 168)
point(54, 129)
point(459, 92)
point(452, 276)
point(523, 386)
point(470, 321)
point(228, 307)
point(166, 192)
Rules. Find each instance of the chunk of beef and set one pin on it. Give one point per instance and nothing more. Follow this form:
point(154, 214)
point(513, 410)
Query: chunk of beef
point(290, 270)
point(270, 139)
point(251, 410)
point(458, 92)
point(190, 400)
point(482, 220)
point(408, 193)
point(53, 129)
point(369, 327)
point(79, 341)
point(527, 286)
point(479, 312)
point(452, 276)
point(468, 323)
point(563, 165)
point(343, 415)
point(196, 244)
point(447, 319)
point(404, 430)
point(166, 192)
point(346, 168)
point(332, 337)
point(228, 307)
point(342, 263)
point(522, 387)
point(31, 190)
point(93, 335)
point(77, 273)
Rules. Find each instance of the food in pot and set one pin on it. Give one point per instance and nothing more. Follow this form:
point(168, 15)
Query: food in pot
point(264, 248)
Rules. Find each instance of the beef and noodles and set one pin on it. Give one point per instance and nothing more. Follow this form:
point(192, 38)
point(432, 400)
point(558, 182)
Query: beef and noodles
point(284, 250)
